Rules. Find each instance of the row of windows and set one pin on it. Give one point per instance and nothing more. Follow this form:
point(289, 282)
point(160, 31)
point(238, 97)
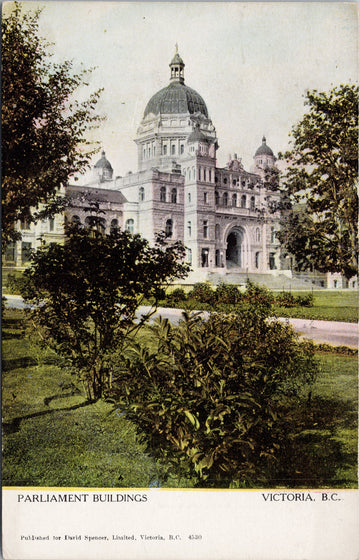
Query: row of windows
point(101, 223)
point(25, 224)
point(224, 200)
point(234, 182)
point(173, 149)
point(173, 195)
point(217, 230)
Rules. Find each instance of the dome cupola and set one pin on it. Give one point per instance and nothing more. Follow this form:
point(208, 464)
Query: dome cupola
point(103, 169)
point(176, 98)
point(177, 67)
point(264, 149)
point(264, 158)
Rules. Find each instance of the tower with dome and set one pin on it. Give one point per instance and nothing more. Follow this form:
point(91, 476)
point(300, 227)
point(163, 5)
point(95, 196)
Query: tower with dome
point(219, 213)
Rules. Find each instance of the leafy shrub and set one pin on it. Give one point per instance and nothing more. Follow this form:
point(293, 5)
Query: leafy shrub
point(176, 295)
point(306, 300)
point(258, 296)
point(203, 292)
point(90, 289)
point(227, 293)
point(215, 399)
point(287, 299)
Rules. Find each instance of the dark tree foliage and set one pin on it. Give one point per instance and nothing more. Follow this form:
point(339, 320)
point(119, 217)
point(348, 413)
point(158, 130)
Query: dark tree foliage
point(44, 127)
point(321, 230)
point(214, 399)
point(86, 293)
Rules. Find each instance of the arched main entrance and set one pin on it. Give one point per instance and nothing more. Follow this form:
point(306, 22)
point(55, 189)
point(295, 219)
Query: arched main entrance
point(236, 254)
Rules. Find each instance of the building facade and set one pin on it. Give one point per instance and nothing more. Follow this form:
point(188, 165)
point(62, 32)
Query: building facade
point(221, 214)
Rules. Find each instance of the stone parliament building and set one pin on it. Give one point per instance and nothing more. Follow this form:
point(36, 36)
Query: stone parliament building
point(220, 214)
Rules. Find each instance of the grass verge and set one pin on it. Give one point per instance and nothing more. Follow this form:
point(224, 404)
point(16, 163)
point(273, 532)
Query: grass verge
point(53, 438)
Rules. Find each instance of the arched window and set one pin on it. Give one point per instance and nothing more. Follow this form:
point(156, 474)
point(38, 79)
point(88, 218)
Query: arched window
point(257, 259)
point(173, 148)
point(217, 198)
point(51, 224)
point(252, 203)
point(243, 201)
point(199, 173)
point(189, 173)
point(194, 174)
point(234, 182)
point(225, 180)
point(129, 225)
point(169, 228)
point(225, 199)
point(189, 229)
point(76, 220)
point(164, 150)
point(182, 148)
point(204, 173)
point(174, 196)
point(206, 198)
point(144, 153)
point(257, 234)
point(234, 200)
point(95, 223)
point(217, 231)
point(162, 194)
point(114, 225)
point(189, 197)
point(141, 194)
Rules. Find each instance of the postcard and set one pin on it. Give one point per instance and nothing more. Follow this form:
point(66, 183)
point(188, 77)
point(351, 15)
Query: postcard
point(180, 280)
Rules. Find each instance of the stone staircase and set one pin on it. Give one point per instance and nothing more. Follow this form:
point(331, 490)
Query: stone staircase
point(271, 281)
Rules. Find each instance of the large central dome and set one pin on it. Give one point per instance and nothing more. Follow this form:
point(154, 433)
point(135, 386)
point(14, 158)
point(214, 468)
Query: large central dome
point(176, 97)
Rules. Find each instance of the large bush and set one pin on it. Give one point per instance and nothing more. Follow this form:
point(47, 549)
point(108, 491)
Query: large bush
point(214, 399)
point(203, 292)
point(86, 294)
point(227, 293)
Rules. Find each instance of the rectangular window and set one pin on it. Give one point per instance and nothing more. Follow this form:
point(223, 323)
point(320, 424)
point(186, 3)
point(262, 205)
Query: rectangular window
point(25, 223)
point(10, 252)
point(206, 229)
point(51, 224)
point(25, 252)
point(205, 197)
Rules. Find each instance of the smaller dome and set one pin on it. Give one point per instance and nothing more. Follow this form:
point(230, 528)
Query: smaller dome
point(177, 60)
point(103, 162)
point(264, 149)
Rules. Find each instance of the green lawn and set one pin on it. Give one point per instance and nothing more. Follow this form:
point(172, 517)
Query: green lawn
point(53, 438)
point(329, 305)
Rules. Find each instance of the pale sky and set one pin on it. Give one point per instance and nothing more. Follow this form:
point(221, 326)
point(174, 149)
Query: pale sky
point(251, 62)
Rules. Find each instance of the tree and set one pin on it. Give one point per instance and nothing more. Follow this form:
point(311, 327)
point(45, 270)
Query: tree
point(214, 399)
point(321, 229)
point(86, 293)
point(43, 126)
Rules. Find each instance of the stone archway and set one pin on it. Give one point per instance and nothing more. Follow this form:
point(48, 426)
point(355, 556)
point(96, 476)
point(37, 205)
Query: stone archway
point(236, 248)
